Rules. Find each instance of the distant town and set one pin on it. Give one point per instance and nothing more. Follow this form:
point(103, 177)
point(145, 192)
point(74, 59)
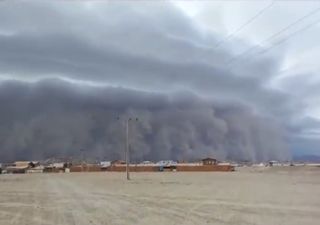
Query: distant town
point(207, 164)
point(59, 166)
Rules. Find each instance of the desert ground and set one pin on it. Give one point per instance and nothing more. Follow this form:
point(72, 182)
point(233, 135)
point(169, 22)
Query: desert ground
point(289, 195)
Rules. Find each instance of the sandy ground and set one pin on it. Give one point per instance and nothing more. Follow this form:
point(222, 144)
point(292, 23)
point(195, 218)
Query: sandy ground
point(247, 196)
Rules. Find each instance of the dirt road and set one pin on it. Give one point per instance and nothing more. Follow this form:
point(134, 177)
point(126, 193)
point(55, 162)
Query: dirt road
point(243, 197)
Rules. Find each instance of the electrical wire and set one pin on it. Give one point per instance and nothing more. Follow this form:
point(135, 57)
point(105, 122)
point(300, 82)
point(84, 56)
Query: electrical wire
point(246, 52)
point(248, 22)
point(289, 36)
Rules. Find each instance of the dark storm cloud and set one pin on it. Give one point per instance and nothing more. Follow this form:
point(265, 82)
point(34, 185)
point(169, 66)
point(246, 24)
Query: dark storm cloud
point(147, 47)
point(133, 49)
point(66, 56)
point(54, 118)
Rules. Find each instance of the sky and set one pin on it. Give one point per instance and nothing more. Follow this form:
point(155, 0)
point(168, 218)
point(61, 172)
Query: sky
point(235, 80)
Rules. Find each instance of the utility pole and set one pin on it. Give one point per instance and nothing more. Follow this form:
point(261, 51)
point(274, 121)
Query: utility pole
point(82, 158)
point(127, 150)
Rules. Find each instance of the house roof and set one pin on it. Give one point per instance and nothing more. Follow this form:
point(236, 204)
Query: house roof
point(208, 158)
point(22, 163)
point(118, 162)
point(17, 167)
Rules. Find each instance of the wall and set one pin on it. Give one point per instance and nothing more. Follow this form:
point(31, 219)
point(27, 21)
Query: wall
point(205, 168)
point(134, 168)
point(180, 168)
point(86, 168)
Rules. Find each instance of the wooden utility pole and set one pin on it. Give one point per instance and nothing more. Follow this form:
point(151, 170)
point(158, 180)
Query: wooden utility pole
point(127, 149)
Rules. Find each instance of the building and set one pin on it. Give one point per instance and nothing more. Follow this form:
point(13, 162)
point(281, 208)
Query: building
point(55, 167)
point(21, 166)
point(209, 161)
point(37, 169)
point(118, 162)
point(274, 163)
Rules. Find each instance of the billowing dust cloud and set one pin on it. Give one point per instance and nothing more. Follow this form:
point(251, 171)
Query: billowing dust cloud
point(54, 118)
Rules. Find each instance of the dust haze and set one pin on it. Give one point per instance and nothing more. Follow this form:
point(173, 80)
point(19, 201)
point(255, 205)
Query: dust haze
point(54, 118)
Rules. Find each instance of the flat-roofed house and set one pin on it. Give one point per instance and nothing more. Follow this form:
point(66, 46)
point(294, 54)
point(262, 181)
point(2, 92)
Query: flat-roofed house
point(209, 161)
point(20, 166)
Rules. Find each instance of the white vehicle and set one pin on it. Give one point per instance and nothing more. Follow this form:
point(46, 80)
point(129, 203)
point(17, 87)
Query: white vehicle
point(147, 162)
point(166, 163)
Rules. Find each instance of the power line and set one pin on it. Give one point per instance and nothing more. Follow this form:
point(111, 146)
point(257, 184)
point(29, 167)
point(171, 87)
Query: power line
point(248, 22)
point(290, 36)
point(287, 38)
point(272, 36)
